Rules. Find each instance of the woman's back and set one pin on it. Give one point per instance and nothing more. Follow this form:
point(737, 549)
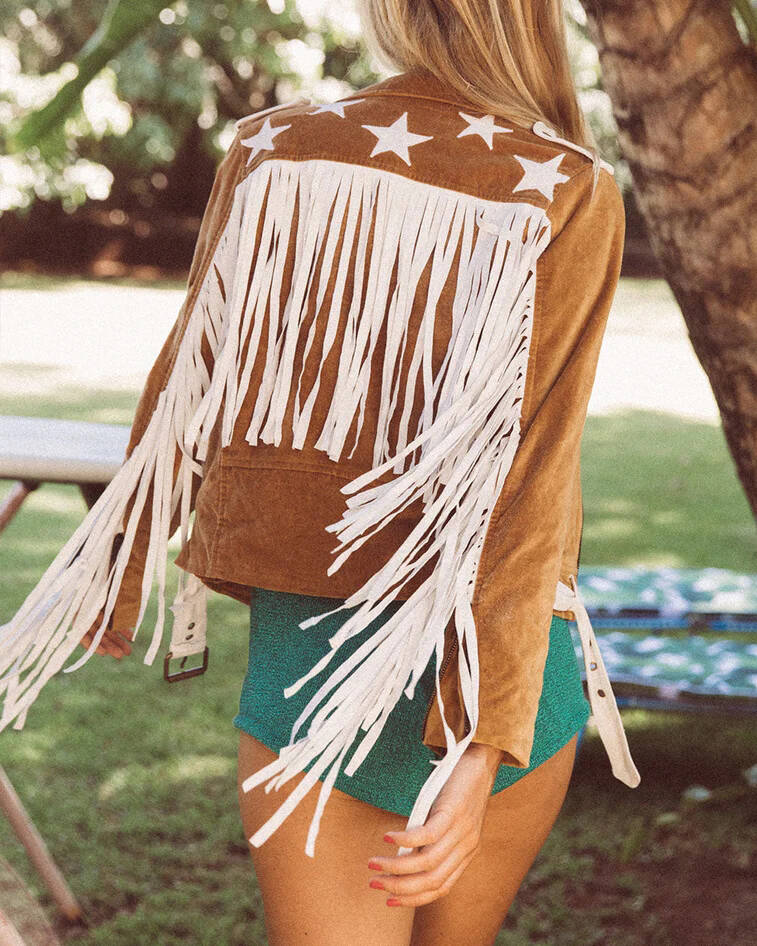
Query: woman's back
point(399, 302)
point(393, 231)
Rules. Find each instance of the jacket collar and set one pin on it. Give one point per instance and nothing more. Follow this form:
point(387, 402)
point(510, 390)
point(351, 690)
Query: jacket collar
point(419, 83)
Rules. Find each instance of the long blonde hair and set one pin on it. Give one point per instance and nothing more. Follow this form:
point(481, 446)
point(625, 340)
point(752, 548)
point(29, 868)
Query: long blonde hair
point(507, 57)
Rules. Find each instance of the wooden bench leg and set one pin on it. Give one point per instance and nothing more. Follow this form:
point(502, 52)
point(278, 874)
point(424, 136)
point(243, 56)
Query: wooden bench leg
point(14, 811)
point(12, 502)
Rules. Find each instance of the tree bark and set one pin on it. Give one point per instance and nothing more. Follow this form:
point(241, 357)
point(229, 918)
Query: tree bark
point(684, 90)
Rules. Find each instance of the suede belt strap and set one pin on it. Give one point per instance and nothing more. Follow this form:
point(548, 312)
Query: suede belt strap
point(190, 625)
point(603, 706)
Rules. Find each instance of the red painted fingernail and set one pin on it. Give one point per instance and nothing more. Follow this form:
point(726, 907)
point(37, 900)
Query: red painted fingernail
point(391, 902)
point(376, 884)
point(388, 839)
point(373, 865)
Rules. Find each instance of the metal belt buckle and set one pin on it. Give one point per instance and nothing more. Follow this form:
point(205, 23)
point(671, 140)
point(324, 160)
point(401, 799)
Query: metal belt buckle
point(184, 674)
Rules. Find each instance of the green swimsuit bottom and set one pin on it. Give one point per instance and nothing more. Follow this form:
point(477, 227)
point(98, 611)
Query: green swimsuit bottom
point(395, 769)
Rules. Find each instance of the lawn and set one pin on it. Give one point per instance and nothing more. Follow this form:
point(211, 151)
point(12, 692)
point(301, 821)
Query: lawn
point(132, 781)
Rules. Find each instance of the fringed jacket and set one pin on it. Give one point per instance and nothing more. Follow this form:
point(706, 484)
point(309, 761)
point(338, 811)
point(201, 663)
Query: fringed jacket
point(375, 390)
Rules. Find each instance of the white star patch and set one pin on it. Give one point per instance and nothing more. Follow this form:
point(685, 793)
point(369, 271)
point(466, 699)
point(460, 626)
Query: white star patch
point(395, 138)
point(541, 176)
point(336, 108)
point(483, 126)
point(263, 140)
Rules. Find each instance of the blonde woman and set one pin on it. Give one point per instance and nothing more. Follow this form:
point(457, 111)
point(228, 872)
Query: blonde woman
point(373, 400)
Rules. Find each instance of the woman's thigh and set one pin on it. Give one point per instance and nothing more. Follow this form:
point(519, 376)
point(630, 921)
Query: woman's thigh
point(516, 825)
point(325, 900)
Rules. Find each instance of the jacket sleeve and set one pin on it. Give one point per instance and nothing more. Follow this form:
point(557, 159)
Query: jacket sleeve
point(521, 557)
point(215, 217)
point(203, 317)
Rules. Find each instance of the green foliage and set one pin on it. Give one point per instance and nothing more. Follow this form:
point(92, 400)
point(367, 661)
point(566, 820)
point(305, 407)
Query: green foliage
point(160, 72)
point(121, 22)
point(150, 70)
point(93, 87)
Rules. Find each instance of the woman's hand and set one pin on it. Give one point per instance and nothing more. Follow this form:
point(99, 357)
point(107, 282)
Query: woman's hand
point(448, 840)
point(115, 643)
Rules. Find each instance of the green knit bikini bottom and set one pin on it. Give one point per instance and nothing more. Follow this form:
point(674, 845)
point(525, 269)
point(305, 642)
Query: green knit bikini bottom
point(395, 769)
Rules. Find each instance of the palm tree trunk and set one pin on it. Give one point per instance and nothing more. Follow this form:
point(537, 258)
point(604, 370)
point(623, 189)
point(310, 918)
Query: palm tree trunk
point(684, 90)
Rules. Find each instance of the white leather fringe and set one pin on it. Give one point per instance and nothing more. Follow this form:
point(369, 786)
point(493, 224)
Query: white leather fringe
point(458, 457)
point(80, 581)
point(456, 460)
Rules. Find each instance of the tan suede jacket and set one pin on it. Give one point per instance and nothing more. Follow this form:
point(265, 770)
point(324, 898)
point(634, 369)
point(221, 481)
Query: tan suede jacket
point(391, 330)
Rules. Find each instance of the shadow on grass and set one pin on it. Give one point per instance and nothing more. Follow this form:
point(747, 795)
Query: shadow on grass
point(649, 865)
point(54, 397)
point(132, 782)
point(64, 282)
point(662, 490)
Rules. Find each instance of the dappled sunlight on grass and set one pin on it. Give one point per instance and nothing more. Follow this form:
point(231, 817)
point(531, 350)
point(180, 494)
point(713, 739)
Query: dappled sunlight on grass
point(131, 781)
point(613, 528)
point(183, 769)
point(47, 282)
point(47, 502)
point(30, 746)
point(615, 506)
point(48, 393)
point(662, 490)
point(668, 517)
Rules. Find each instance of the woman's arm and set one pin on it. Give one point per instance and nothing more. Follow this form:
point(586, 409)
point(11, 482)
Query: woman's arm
point(125, 614)
point(523, 550)
point(522, 554)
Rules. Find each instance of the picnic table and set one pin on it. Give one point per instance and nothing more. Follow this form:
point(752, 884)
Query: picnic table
point(36, 450)
point(33, 451)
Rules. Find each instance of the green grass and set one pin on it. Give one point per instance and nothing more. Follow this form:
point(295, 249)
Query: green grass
point(51, 282)
point(662, 490)
point(132, 781)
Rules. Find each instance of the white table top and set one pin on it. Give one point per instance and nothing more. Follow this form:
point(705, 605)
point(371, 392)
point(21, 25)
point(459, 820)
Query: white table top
point(60, 451)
